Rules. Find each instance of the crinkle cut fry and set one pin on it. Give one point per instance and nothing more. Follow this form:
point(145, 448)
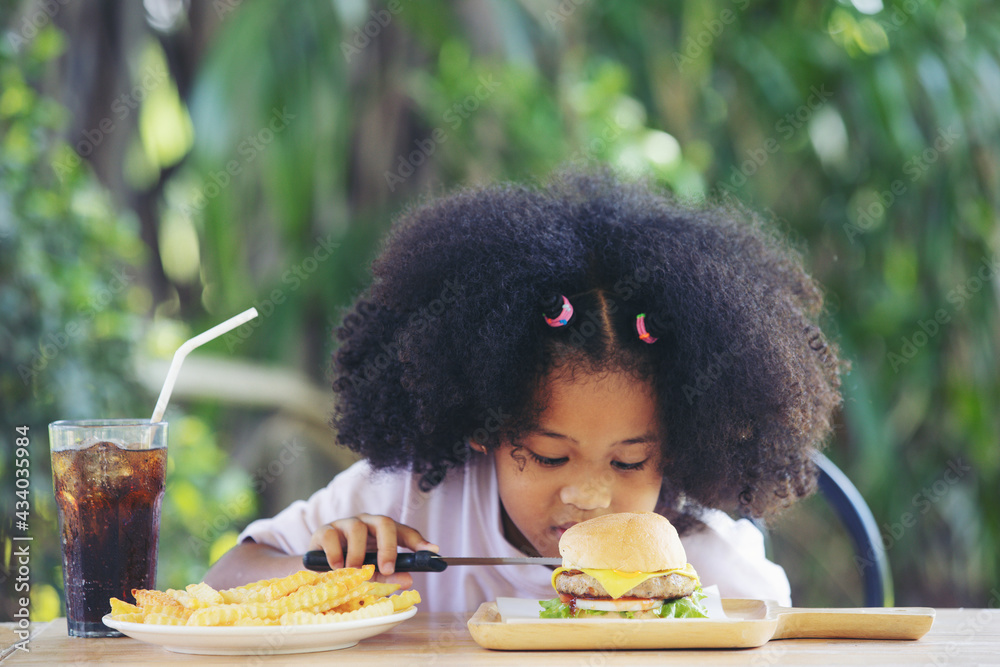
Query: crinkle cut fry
point(252, 592)
point(327, 592)
point(144, 597)
point(182, 613)
point(383, 608)
point(183, 597)
point(163, 619)
point(356, 574)
point(371, 593)
point(291, 583)
point(134, 617)
point(353, 605)
point(122, 607)
point(309, 593)
point(204, 595)
point(220, 614)
point(268, 590)
point(382, 590)
point(346, 599)
point(405, 600)
point(256, 621)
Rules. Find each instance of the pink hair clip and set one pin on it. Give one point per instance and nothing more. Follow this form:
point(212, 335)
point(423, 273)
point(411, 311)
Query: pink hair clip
point(564, 316)
point(640, 326)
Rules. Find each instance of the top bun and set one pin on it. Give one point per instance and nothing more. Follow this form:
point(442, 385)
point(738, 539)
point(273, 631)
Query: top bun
point(629, 541)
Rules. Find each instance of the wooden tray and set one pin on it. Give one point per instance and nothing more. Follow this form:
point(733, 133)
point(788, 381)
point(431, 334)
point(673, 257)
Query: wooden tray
point(749, 623)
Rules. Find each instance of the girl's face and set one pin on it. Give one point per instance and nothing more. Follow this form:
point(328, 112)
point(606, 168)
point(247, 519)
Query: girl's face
point(596, 451)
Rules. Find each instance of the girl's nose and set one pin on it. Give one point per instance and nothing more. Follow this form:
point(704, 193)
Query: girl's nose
point(587, 494)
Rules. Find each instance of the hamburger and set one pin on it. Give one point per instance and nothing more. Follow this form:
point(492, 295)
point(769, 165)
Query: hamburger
point(627, 565)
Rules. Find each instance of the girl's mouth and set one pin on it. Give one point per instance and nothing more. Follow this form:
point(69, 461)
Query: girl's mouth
point(562, 528)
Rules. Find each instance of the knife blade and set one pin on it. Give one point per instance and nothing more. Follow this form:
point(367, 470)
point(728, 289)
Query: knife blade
point(427, 561)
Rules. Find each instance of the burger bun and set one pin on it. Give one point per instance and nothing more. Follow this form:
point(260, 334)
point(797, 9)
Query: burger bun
point(627, 541)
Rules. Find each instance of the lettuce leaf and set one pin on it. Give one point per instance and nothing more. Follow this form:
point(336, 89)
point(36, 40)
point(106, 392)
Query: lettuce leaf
point(556, 608)
point(689, 607)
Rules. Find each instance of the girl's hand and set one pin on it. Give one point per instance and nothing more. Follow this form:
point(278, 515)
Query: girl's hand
point(345, 542)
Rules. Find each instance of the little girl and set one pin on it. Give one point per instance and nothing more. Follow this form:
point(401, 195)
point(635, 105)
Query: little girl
point(527, 359)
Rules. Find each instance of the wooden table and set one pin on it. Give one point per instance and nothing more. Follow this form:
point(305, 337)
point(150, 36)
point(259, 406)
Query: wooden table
point(958, 637)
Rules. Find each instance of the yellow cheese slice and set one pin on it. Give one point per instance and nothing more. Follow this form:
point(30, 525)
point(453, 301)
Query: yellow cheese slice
point(618, 583)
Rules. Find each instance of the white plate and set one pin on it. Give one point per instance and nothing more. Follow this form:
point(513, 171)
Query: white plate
point(260, 640)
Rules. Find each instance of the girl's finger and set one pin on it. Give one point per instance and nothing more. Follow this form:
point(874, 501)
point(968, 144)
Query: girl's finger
point(328, 538)
point(412, 539)
point(356, 532)
point(385, 540)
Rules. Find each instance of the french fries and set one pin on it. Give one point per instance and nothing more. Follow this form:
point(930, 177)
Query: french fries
point(303, 598)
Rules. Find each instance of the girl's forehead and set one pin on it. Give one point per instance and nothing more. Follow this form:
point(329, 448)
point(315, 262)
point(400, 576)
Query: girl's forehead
point(609, 403)
point(579, 383)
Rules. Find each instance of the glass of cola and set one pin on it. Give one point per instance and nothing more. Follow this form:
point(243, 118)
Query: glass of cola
point(108, 477)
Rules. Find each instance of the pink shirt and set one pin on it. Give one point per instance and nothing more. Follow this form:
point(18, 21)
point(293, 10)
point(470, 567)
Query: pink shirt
point(462, 516)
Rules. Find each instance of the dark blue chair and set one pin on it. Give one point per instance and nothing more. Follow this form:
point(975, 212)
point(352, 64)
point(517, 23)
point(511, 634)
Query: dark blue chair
point(853, 511)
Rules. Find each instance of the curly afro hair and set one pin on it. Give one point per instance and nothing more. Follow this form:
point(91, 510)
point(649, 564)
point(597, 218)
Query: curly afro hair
point(450, 344)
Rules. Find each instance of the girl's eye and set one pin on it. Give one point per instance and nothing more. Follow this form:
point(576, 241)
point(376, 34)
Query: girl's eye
point(629, 466)
point(546, 461)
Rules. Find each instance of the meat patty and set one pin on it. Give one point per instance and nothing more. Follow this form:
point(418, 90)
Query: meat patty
point(668, 587)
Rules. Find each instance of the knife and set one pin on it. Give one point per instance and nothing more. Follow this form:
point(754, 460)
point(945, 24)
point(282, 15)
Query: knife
point(427, 561)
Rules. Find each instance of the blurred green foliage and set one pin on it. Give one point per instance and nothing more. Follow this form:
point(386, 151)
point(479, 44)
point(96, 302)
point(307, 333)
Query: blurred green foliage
point(867, 131)
point(74, 307)
point(67, 269)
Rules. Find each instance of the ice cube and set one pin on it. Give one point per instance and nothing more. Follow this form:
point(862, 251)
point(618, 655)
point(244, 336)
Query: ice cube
point(105, 462)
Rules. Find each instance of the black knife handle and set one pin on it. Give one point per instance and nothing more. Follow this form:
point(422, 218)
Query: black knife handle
point(420, 561)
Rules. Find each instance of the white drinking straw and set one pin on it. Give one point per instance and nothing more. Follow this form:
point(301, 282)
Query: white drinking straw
point(185, 349)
